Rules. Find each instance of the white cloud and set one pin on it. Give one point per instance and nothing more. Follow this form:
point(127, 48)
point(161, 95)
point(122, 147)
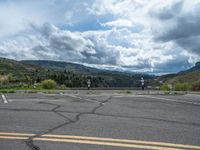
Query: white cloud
point(119, 23)
point(118, 34)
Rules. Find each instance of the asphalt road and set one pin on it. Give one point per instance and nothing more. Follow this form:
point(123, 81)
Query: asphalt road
point(100, 120)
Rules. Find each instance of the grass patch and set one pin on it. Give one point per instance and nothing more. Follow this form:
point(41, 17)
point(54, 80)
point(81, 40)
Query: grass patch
point(7, 91)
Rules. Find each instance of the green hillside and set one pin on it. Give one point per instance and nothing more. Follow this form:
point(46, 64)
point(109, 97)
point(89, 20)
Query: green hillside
point(182, 81)
point(65, 74)
point(190, 77)
point(12, 66)
point(62, 66)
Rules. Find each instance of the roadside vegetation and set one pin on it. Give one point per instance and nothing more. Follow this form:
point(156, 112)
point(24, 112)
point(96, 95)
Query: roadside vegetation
point(15, 75)
point(181, 87)
point(48, 84)
point(189, 81)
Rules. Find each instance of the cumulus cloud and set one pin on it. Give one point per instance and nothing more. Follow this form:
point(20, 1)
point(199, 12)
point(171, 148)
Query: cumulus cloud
point(134, 35)
point(179, 22)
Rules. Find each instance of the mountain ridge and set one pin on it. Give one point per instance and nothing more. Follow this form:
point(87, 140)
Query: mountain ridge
point(68, 74)
point(194, 68)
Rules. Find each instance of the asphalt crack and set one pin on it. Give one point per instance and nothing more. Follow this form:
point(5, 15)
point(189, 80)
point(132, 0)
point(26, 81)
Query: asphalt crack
point(31, 145)
point(30, 142)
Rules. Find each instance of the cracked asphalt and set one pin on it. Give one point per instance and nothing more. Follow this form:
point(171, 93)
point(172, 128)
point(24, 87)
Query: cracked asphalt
point(161, 118)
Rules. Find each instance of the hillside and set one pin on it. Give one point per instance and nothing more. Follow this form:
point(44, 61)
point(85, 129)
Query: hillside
point(16, 67)
point(111, 78)
point(62, 66)
point(67, 74)
point(188, 77)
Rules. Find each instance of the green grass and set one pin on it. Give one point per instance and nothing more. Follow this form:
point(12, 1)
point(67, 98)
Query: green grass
point(7, 91)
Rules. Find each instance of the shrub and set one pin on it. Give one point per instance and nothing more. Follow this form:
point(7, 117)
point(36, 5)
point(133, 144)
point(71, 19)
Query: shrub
point(165, 87)
point(196, 86)
point(3, 91)
point(182, 87)
point(11, 91)
point(48, 84)
point(62, 87)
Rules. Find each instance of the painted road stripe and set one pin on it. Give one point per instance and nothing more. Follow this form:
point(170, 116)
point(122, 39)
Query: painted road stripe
point(109, 141)
point(90, 143)
point(123, 140)
point(16, 134)
point(4, 98)
point(13, 137)
point(105, 143)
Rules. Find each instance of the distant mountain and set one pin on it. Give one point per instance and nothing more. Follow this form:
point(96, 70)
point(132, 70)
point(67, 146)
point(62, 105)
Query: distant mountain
point(195, 68)
point(76, 68)
point(113, 78)
point(63, 66)
point(68, 74)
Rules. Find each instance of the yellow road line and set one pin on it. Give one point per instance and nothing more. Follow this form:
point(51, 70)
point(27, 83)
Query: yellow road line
point(16, 134)
point(13, 137)
point(124, 140)
point(96, 139)
point(90, 142)
point(106, 144)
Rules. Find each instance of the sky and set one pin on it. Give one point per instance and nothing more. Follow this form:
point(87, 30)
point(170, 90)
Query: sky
point(150, 36)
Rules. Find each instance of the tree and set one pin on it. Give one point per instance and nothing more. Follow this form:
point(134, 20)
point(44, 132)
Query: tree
point(10, 77)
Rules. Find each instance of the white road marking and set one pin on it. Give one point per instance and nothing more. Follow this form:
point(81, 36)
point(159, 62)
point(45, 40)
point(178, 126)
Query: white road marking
point(4, 98)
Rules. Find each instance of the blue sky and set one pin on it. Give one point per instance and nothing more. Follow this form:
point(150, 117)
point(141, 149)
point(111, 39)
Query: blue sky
point(153, 36)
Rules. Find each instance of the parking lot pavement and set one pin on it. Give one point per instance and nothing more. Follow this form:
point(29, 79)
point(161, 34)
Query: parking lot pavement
point(99, 120)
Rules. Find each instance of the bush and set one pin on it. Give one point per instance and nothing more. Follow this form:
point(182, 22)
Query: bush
point(182, 87)
point(48, 84)
point(62, 87)
point(165, 87)
point(196, 86)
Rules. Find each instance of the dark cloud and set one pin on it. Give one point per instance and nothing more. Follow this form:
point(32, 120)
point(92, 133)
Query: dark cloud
point(168, 12)
point(183, 26)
